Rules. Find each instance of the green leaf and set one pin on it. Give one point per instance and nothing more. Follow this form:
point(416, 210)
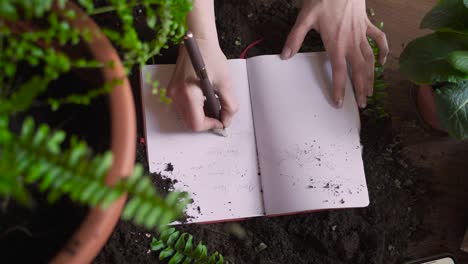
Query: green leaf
point(204, 254)
point(35, 172)
point(54, 142)
point(89, 191)
point(220, 260)
point(41, 135)
point(104, 165)
point(462, 32)
point(187, 260)
point(180, 244)
point(153, 217)
point(53, 196)
point(452, 108)
point(166, 218)
point(157, 245)
point(166, 233)
point(173, 238)
point(110, 198)
point(212, 259)
point(131, 208)
point(188, 245)
point(77, 152)
point(172, 198)
point(425, 59)
point(151, 21)
point(177, 258)
point(466, 3)
point(49, 177)
point(201, 252)
point(447, 14)
point(459, 60)
point(142, 212)
point(142, 185)
point(98, 196)
point(166, 253)
point(8, 10)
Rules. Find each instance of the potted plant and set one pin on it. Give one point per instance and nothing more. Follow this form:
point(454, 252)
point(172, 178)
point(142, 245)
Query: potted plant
point(46, 35)
point(438, 62)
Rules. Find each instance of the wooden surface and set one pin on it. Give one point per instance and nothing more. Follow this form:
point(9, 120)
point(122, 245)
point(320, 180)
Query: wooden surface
point(447, 219)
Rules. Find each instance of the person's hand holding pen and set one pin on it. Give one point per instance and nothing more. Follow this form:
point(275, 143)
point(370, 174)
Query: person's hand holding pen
point(184, 88)
point(344, 27)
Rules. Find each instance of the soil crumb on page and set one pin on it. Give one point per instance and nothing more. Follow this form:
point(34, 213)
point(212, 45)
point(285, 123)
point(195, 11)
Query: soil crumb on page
point(163, 184)
point(169, 167)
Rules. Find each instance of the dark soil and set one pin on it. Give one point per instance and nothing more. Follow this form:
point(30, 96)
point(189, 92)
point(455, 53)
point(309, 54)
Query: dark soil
point(35, 234)
point(377, 234)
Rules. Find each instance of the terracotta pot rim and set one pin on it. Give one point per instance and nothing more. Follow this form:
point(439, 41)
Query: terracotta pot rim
point(96, 228)
point(423, 99)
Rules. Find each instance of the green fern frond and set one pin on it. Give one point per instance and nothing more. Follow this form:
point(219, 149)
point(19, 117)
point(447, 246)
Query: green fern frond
point(145, 207)
point(179, 248)
point(36, 157)
point(85, 98)
point(23, 98)
point(10, 184)
point(376, 102)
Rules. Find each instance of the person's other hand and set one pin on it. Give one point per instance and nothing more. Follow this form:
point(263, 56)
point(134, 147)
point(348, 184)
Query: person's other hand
point(187, 96)
point(344, 27)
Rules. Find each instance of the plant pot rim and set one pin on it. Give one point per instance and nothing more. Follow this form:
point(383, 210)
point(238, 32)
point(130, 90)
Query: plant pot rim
point(98, 225)
point(427, 110)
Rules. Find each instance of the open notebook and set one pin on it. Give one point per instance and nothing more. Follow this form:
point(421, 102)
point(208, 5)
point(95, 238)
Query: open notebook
point(288, 149)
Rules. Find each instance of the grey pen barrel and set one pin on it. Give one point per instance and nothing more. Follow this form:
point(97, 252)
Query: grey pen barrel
point(212, 106)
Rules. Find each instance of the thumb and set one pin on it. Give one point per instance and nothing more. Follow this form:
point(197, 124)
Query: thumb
point(305, 22)
point(211, 123)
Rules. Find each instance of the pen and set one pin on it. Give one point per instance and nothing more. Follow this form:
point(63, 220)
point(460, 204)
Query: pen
point(211, 106)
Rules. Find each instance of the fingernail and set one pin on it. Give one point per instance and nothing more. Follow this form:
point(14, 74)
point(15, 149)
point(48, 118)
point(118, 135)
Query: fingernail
point(339, 103)
point(286, 53)
point(363, 103)
point(220, 125)
point(220, 132)
point(226, 121)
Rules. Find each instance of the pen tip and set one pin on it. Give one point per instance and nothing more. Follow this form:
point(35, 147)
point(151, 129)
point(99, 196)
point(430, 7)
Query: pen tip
point(188, 34)
point(220, 132)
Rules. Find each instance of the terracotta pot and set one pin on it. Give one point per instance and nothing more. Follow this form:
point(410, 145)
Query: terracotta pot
point(96, 228)
point(427, 107)
point(93, 233)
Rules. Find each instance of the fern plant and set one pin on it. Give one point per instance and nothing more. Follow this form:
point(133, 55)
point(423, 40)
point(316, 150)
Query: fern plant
point(37, 47)
point(376, 102)
point(179, 248)
point(36, 157)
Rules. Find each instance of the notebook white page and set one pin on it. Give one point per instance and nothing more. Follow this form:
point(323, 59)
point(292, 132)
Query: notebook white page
point(309, 151)
point(220, 174)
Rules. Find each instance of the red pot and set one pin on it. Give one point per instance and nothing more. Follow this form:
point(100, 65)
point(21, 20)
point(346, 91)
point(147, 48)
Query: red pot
point(93, 233)
point(425, 102)
point(96, 228)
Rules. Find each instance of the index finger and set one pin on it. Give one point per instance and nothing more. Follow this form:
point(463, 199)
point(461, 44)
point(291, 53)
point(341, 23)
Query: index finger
point(381, 39)
point(338, 63)
point(229, 105)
